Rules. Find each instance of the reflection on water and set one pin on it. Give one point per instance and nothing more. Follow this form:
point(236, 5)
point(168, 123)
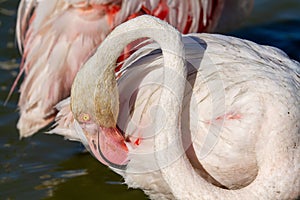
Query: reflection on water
point(48, 167)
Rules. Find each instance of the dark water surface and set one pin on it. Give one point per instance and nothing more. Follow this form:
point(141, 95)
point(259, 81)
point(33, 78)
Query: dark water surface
point(48, 167)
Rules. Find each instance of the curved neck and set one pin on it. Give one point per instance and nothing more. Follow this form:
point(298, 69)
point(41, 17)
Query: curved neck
point(98, 71)
point(96, 80)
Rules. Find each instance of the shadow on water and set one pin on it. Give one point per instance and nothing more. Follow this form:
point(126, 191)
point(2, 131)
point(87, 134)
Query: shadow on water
point(49, 167)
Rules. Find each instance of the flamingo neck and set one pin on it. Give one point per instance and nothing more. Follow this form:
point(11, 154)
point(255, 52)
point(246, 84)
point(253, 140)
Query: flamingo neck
point(100, 83)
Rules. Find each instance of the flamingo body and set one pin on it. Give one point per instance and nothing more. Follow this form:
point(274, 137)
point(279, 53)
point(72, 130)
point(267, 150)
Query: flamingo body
point(227, 117)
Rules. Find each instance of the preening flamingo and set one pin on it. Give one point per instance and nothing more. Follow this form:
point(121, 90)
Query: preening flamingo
point(57, 36)
point(201, 116)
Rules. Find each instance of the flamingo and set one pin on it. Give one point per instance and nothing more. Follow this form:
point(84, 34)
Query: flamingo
point(198, 116)
point(57, 36)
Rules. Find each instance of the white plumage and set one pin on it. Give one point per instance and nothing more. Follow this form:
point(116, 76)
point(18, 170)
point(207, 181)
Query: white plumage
point(231, 122)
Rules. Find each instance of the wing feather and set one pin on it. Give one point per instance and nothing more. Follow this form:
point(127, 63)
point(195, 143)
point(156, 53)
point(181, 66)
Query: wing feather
point(55, 46)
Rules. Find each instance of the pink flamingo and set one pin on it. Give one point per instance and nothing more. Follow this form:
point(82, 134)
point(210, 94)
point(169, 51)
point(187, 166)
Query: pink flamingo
point(198, 116)
point(57, 36)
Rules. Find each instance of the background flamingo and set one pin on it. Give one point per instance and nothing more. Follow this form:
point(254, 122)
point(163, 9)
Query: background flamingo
point(57, 37)
point(251, 137)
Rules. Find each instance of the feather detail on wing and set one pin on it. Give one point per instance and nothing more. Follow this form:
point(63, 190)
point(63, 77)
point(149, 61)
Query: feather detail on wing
point(24, 14)
point(187, 16)
point(56, 44)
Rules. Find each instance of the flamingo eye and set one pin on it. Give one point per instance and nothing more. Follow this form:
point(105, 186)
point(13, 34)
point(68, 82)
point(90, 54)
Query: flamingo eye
point(84, 117)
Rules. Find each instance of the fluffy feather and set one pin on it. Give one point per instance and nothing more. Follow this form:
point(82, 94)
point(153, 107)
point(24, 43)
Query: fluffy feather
point(203, 116)
point(214, 113)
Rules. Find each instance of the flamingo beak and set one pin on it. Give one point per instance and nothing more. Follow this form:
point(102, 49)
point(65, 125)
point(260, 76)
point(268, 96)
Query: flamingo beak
point(106, 144)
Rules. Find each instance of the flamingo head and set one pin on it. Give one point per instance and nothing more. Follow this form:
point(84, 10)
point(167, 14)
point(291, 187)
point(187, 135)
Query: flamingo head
point(95, 106)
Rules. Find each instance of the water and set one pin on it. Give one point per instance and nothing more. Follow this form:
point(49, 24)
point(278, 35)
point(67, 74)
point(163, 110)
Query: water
point(48, 167)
